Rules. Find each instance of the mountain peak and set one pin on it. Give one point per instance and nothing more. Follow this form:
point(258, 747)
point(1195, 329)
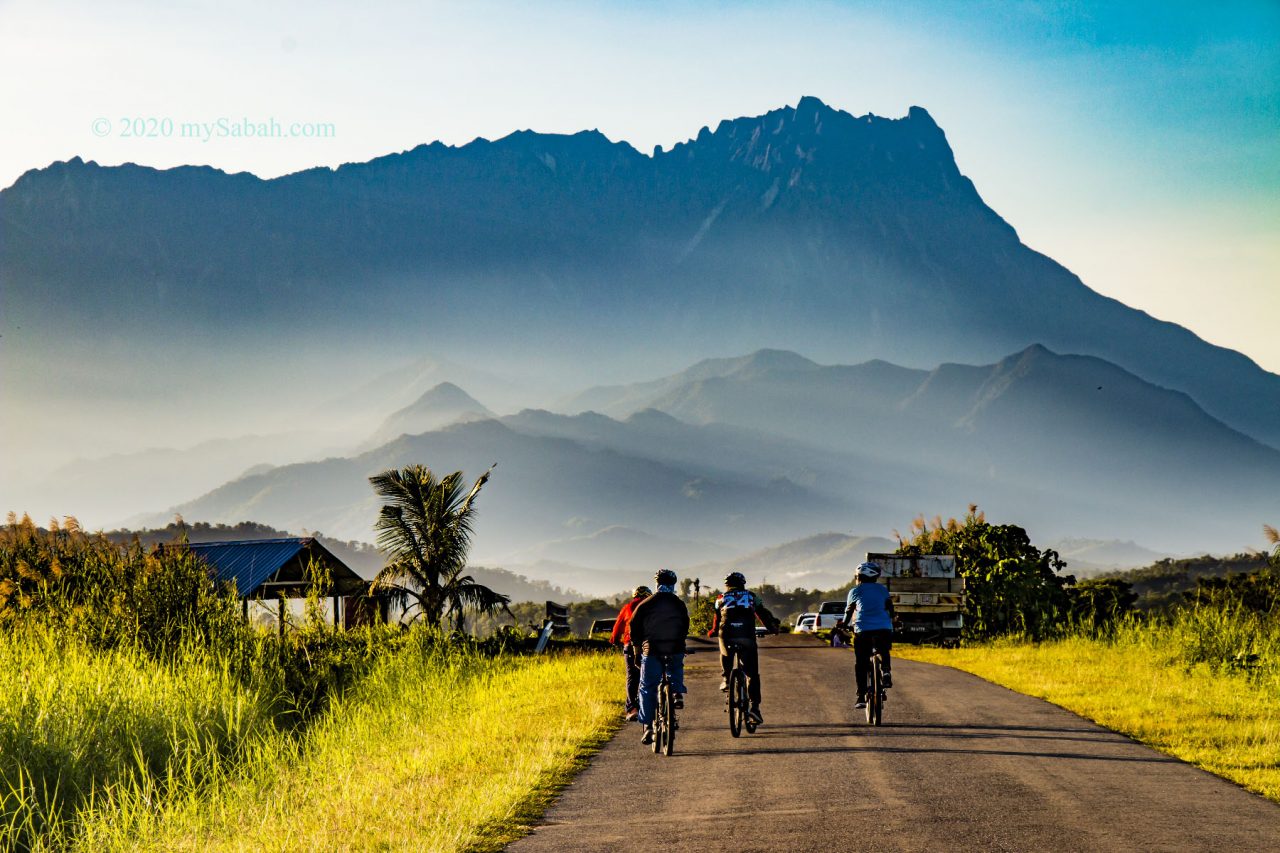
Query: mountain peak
point(446, 393)
point(921, 115)
point(812, 102)
point(774, 361)
point(438, 407)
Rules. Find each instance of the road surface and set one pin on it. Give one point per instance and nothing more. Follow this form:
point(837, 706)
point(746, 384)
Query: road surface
point(960, 764)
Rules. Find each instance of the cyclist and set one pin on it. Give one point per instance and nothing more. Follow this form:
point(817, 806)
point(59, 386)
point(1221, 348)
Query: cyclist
point(734, 621)
point(659, 625)
point(870, 611)
point(622, 636)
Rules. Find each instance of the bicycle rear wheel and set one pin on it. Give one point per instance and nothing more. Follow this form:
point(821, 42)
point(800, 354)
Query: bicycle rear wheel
point(737, 701)
point(875, 701)
point(669, 713)
point(659, 718)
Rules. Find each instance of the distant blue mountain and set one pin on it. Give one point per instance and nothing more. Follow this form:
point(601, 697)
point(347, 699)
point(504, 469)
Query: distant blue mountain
point(806, 228)
point(772, 447)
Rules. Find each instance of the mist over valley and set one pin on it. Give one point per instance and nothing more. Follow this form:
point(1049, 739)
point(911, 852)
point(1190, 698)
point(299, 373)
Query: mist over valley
point(793, 324)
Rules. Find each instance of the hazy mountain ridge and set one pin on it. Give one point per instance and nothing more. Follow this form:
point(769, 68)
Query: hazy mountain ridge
point(789, 445)
point(821, 561)
point(806, 227)
point(621, 548)
point(1086, 557)
point(542, 484)
point(1068, 429)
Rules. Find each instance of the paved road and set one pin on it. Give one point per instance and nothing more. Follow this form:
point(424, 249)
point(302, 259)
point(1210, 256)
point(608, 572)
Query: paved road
point(961, 764)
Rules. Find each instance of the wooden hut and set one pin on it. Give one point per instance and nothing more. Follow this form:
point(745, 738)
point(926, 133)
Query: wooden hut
point(277, 570)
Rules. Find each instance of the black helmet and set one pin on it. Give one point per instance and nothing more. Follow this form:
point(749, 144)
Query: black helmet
point(665, 577)
point(734, 580)
point(641, 590)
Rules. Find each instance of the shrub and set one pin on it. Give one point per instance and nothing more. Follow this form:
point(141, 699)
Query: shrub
point(1098, 604)
point(1012, 586)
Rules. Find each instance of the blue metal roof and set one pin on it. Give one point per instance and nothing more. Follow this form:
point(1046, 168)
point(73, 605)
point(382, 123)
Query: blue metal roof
point(249, 563)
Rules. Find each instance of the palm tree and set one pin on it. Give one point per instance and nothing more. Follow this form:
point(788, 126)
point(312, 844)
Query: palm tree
point(424, 528)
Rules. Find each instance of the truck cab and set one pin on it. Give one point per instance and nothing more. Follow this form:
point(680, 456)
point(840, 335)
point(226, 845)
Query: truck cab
point(829, 613)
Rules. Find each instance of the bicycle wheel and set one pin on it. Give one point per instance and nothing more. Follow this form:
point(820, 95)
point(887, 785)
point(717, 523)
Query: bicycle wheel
point(659, 718)
point(669, 730)
point(875, 701)
point(737, 701)
point(744, 702)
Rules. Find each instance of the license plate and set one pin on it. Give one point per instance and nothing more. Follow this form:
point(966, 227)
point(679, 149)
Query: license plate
point(928, 598)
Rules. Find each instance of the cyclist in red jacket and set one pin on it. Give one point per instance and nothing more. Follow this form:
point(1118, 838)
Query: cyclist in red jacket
point(622, 634)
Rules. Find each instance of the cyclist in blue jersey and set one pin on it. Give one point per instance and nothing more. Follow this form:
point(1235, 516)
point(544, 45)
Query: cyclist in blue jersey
point(734, 621)
point(869, 611)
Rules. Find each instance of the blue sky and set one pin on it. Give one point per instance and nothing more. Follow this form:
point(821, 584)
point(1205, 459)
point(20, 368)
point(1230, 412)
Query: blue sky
point(1138, 144)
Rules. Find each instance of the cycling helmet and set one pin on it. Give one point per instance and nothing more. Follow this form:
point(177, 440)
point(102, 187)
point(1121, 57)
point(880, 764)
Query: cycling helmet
point(665, 577)
point(869, 570)
point(641, 590)
point(734, 580)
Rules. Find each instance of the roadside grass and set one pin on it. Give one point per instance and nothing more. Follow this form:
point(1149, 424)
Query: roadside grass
point(437, 750)
point(139, 711)
point(76, 722)
point(1151, 682)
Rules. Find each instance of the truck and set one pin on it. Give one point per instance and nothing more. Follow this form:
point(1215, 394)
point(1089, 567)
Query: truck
point(829, 614)
point(927, 595)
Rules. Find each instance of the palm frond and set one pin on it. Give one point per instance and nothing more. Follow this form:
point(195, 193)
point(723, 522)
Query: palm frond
point(465, 593)
point(400, 596)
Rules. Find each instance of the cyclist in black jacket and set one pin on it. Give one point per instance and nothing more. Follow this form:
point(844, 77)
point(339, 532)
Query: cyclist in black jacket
point(659, 625)
point(735, 622)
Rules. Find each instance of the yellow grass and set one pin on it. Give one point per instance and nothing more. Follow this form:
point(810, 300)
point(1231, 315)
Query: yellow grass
point(424, 757)
point(1224, 723)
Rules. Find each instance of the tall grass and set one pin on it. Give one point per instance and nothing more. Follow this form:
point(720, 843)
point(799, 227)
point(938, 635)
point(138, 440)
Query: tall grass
point(76, 723)
point(440, 748)
point(138, 710)
point(1202, 684)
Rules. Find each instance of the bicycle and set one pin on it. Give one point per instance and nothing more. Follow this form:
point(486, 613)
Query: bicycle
point(664, 720)
point(737, 702)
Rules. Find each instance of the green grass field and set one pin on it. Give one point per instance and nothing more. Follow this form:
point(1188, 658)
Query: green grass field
point(1147, 682)
point(437, 749)
point(138, 711)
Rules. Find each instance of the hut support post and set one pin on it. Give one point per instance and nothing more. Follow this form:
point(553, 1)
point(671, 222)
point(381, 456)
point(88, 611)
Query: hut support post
point(335, 611)
point(280, 616)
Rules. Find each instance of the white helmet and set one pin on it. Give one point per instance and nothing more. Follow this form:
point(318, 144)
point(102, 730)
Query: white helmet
point(869, 570)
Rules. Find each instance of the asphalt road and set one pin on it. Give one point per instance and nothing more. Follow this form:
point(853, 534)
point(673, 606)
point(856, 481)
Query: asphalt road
point(960, 764)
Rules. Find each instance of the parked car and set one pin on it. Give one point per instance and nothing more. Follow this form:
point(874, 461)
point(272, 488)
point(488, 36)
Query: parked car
point(829, 613)
point(602, 626)
point(804, 623)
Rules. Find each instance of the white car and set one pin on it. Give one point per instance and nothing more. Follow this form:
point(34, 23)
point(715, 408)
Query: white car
point(805, 623)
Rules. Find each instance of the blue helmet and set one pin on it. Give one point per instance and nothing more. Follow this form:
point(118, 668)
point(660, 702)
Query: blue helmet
point(869, 570)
